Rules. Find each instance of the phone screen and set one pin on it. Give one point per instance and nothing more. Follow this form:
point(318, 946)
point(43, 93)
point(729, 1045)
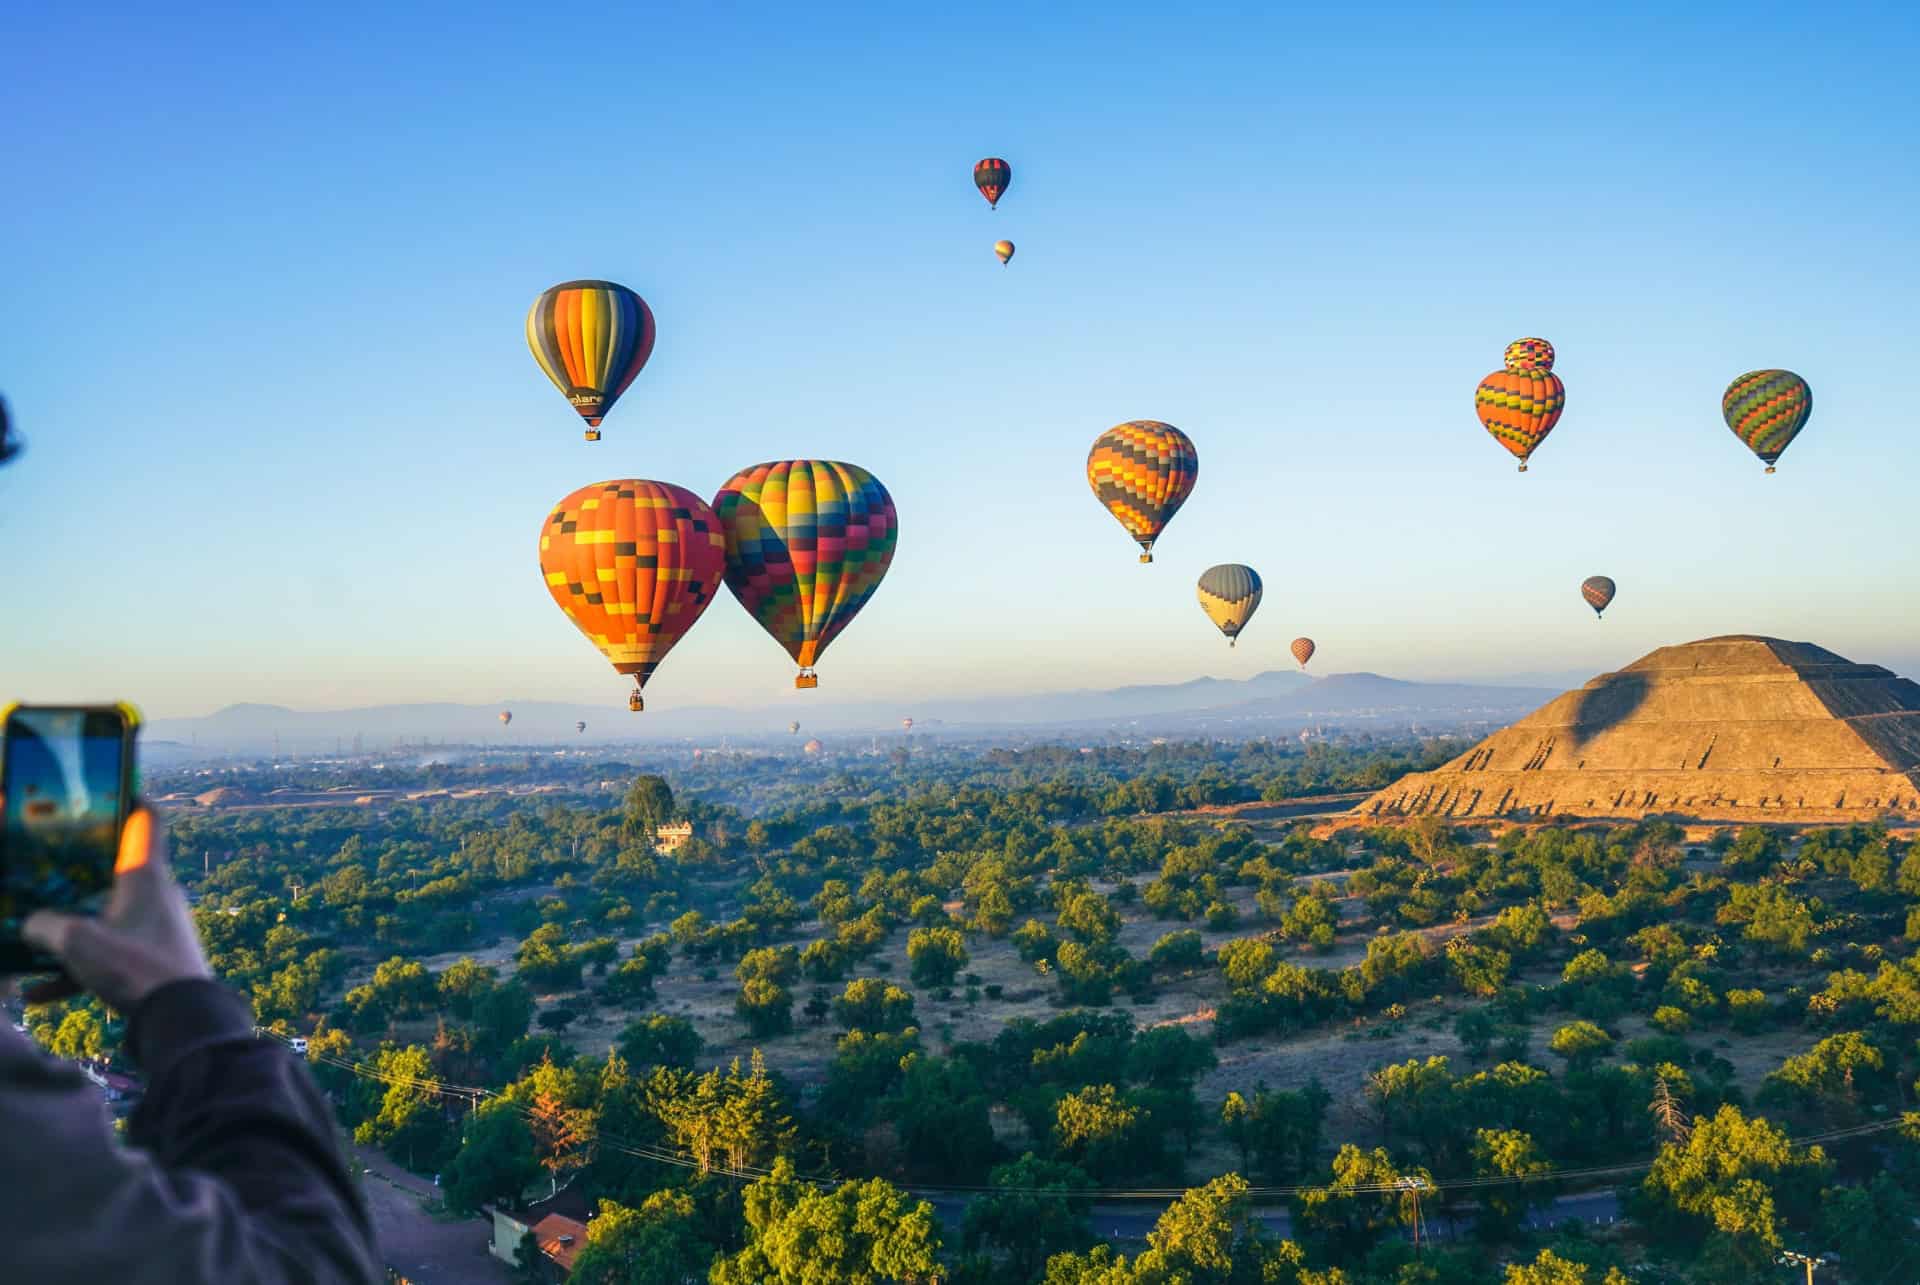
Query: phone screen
point(64, 789)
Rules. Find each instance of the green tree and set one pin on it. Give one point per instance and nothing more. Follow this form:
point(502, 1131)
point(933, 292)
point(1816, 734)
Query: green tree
point(1089, 920)
point(1741, 1180)
point(1871, 1226)
point(1581, 1044)
point(872, 1004)
point(1365, 1199)
point(410, 1125)
point(860, 1233)
point(495, 1163)
point(935, 956)
point(1508, 1153)
point(1551, 1269)
point(660, 1040)
point(1278, 1134)
point(648, 806)
point(1030, 1215)
point(658, 1242)
point(1475, 1030)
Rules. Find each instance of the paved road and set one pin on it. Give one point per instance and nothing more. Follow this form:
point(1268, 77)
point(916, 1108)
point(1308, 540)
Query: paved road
point(424, 1249)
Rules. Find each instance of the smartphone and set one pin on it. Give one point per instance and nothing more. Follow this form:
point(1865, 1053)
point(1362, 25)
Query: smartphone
point(67, 783)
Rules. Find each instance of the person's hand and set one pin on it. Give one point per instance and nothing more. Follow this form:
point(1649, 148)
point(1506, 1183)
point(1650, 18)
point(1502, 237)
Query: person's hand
point(143, 940)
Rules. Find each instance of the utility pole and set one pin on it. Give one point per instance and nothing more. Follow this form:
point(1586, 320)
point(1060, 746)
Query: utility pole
point(1808, 1261)
point(1413, 1187)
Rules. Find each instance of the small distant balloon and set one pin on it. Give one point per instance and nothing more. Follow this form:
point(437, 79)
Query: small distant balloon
point(906, 725)
point(9, 440)
point(1598, 591)
point(580, 726)
point(591, 338)
point(506, 716)
point(993, 176)
point(793, 729)
point(1521, 403)
point(1004, 249)
point(1302, 649)
point(811, 747)
point(1143, 471)
point(1230, 594)
point(1766, 409)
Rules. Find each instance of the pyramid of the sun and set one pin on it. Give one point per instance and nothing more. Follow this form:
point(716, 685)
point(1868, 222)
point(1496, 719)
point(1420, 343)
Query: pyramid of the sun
point(1740, 728)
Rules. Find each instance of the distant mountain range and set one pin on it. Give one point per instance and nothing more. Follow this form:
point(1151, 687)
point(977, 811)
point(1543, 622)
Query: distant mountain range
point(1274, 703)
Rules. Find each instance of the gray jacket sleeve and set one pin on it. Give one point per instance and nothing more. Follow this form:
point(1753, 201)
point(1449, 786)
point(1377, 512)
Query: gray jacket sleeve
point(231, 1171)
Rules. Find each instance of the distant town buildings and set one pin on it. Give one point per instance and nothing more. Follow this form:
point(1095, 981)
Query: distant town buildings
point(560, 1239)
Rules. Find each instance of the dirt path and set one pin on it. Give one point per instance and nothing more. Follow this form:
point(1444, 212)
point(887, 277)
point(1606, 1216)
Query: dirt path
point(423, 1249)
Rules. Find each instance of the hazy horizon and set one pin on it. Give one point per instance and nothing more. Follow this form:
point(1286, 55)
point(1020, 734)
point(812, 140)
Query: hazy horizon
point(286, 444)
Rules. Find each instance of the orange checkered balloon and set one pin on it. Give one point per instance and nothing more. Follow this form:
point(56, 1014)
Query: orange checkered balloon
point(633, 563)
point(1143, 471)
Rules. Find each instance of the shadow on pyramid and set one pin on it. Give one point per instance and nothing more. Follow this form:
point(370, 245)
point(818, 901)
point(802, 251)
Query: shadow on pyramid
point(1740, 728)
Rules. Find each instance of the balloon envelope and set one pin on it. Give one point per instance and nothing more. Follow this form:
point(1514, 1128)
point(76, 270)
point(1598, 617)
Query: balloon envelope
point(1003, 249)
point(580, 727)
point(992, 176)
point(1598, 591)
point(1766, 409)
point(1229, 594)
point(591, 338)
point(633, 564)
point(506, 716)
point(1143, 471)
point(1302, 649)
point(1521, 403)
point(807, 543)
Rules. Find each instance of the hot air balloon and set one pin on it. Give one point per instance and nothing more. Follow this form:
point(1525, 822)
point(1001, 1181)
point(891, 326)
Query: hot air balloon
point(9, 440)
point(633, 563)
point(1598, 591)
point(580, 726)
point(793, 729)
point(1143, 471)
point(1766, 409)
point(1230, 594)
point(1004, 249)
point(506, 716)
point(592, 338)
point(1520, 404)
point(993, 177)
point(807, 542)
point(1302, 649)
point(811, 747)
point(906, 725)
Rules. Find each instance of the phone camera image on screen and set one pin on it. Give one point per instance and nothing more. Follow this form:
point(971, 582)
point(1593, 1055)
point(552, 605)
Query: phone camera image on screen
point(63, 782)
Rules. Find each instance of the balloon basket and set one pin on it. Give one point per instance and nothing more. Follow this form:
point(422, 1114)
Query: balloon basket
point(635, 704)
point(1523, 468)
point(806, 680)
point(593, 435)
point(1146, 557)
point(1772, 469)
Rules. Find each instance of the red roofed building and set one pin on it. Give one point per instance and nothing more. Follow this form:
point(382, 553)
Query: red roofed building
point(560, 1238)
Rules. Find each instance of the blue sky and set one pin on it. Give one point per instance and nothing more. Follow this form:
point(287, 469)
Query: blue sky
point(266, 275)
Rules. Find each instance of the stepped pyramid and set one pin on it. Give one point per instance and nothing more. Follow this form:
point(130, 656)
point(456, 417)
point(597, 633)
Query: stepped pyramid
point(1739, 728)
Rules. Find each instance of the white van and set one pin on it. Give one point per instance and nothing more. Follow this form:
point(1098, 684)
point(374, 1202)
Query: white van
point(299, 1045)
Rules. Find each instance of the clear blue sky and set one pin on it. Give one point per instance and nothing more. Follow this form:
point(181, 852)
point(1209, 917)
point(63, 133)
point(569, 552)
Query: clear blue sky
point(265, 276)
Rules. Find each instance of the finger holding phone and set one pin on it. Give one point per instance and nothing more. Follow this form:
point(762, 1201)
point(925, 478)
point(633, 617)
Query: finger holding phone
point(71, 836)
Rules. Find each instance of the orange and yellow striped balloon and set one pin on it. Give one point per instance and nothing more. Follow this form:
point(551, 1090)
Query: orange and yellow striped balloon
point(1143, 471)
point(633, 564)
point(1520, 404)
point(591, 338)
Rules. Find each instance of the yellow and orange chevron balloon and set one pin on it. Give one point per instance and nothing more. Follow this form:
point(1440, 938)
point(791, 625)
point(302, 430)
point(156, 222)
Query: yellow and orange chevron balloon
point(591, 338)
point(1520, 404)
point(1143, 471)
point(633, 563)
